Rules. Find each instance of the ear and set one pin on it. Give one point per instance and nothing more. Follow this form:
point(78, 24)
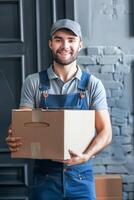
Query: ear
point(80, 45)
point(50, 44)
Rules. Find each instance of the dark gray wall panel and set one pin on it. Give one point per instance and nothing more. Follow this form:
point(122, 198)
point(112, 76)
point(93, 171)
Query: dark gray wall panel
point(13, 175)
point(47, 12)
point(11, 49)
point(9, 21)
point(43, 26)
point(24, 35)
point(10, 85)
point(14, 198)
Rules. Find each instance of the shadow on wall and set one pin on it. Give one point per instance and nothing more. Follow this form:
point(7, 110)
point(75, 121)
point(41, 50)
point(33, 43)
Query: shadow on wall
point(132, 69)
point(131, 18)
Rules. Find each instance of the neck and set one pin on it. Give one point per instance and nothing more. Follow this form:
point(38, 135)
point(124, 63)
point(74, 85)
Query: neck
point(65, 72)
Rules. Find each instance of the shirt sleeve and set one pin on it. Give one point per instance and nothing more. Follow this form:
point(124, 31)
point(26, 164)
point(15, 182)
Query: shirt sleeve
point(97, 94)
point(28, 93)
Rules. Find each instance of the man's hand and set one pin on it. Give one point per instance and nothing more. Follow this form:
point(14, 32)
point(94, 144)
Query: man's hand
point(75, 158)
point(14, 143)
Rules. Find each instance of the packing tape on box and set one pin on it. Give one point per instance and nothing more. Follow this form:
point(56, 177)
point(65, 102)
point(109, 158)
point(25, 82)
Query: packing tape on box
point(35, 149)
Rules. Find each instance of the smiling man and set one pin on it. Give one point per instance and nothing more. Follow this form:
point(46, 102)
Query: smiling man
point(65, 47)
point(65, 86)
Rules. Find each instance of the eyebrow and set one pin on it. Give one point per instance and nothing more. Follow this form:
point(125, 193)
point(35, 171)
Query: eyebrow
point(70, 37)
point(55, 37)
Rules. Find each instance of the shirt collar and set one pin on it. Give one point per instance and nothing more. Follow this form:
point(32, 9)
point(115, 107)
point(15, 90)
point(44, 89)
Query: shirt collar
point(52, 75)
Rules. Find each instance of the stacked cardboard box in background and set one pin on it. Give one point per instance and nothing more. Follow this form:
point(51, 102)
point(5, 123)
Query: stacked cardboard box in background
point(108, 187)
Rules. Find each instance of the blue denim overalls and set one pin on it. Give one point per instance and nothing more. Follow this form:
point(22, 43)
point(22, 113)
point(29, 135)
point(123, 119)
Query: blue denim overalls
point(55, 180)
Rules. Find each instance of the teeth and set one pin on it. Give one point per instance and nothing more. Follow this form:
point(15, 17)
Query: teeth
point(65, 53)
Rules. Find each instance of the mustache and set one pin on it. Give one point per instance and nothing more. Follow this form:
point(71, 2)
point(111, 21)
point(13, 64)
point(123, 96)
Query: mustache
point(64, 50)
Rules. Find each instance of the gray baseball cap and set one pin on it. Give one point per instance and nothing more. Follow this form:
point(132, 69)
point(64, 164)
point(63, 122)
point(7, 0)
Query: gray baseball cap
point(69, 24)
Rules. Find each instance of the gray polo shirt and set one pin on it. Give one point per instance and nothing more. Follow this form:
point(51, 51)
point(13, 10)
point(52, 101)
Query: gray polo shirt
point(30, 94)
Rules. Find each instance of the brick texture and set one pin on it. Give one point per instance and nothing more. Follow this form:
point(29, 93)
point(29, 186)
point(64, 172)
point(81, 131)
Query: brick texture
point(112, 66)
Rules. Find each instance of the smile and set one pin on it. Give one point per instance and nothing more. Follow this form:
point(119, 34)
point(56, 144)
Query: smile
point(64, 53)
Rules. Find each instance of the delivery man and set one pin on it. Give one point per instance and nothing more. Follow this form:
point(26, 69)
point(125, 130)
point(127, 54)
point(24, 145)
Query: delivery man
point(65, 86)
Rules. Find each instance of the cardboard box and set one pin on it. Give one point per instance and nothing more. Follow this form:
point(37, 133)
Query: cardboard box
point(49, 134)
point(109, 198)
point(108, 187)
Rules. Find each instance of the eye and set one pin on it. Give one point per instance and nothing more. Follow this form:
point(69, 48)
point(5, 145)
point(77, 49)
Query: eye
point(71, 40)
point(57, 40)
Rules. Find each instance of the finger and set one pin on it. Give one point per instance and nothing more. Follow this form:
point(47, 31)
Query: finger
point(13, 139)
point(14, 149)
point(72, 153)
point(68, 161)
point(13, 142)
point(14, 145)
point(10, 132)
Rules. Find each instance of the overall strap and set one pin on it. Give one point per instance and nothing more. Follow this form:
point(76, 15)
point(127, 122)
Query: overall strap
point(44, 81)
point(83, 83)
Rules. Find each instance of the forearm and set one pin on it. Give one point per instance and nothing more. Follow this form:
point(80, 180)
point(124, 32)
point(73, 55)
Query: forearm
point(104, 133)
point(101, 140)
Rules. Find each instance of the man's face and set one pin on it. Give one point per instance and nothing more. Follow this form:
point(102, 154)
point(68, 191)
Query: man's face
point(65, 46)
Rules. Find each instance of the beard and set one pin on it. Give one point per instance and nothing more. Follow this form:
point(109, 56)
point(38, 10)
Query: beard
point(62, 61)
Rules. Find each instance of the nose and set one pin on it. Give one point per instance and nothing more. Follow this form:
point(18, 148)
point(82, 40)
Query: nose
point(65, 44)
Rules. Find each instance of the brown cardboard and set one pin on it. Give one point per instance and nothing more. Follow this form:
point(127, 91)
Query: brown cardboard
point(49, 134)
point(109, 198)
point(108, 187)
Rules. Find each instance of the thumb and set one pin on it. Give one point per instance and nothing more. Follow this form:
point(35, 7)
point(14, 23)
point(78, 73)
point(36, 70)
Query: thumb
point(10, 132)
point(72, 153)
